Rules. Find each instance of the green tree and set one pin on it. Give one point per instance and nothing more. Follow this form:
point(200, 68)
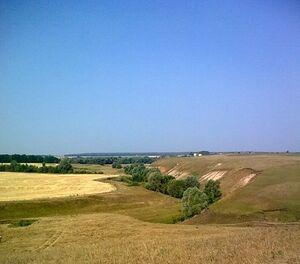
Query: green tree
point(176, 188)
point(139, 173)
point(64, 167)
point(154, 181)
point(116, 165)
point(14, 165)
point(213, 191)
point(164, 184)
point(192, 181)
point(193, 201)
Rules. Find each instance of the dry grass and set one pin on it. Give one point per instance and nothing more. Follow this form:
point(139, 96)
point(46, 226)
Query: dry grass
point(104, 228)
point(25, 186)
point(202, 165)
point(134, 201)
point(255, 187)
point(112, 238)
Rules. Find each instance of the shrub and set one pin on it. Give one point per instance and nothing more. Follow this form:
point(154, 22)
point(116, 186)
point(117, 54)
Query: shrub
point(176, 188)
point(212, 190)
point(22, 223)
point(193, 201)
point(165, 181)
point(177, 219)
point(192, 181)
point(154, 181)
point(139, 173)
point(64, 167)
point(116, 165)
point(126, 179)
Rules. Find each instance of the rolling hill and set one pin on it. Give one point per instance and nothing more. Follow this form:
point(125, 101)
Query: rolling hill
point(254, 187)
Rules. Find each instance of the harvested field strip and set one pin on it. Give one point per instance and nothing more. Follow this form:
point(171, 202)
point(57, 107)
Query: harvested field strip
point(26, 186)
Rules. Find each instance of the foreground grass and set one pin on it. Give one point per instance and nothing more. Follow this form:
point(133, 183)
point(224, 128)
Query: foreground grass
point(113, 238)
point(133, 201)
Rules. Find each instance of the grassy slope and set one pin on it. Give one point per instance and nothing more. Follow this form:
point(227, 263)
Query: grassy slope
point(133, 201)
point(113, 238)
point(273, 195)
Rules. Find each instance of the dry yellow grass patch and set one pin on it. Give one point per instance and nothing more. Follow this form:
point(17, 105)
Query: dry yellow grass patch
point(113, 238)
point(24, 186)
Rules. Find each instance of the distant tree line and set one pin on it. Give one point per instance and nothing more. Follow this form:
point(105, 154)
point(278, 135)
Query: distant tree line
point(194, 199)
point(5, 158)
point(113, 160)
point(63, 167)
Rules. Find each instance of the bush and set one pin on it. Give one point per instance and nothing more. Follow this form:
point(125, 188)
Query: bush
point(116, 165)
point(192, 181)
point(177, 219)
point(193, 201)
point(176, 188)
point(139, 173)
point(64, 167)
point(213, 191)
point(165, 181)
point(154, 181)
point(22, 223)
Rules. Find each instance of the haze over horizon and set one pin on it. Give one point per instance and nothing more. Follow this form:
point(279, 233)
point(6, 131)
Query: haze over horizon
point(149, 76)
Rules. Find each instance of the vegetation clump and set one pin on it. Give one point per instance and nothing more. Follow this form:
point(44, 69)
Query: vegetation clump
point(22, 223)
point(116, 165)
point(194, 200)
point(5, 158)
point(113, 160)
point(212, 191)
point(63, 167)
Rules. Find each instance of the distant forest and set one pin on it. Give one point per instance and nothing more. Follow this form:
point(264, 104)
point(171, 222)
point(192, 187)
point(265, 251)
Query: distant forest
point(5, 158)
point(113, 160)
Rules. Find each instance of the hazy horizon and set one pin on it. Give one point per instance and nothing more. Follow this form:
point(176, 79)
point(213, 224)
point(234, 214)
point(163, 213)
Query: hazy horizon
point(140, 76)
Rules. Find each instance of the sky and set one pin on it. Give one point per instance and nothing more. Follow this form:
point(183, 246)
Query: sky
point(133, 76)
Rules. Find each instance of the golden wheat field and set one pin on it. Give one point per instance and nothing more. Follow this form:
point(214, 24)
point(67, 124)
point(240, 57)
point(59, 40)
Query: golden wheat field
point(24, 186)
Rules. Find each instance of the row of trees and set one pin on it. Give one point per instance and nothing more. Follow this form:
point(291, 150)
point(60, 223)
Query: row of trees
point(5, 158)
point(63, 167)
point(113, 160)
point(194, 198)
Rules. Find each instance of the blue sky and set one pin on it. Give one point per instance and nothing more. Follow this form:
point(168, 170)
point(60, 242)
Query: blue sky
point(104, 76)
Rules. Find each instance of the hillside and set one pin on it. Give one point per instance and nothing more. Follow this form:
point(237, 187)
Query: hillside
point(258, 187)
point(114, 238)
point(134, 225)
